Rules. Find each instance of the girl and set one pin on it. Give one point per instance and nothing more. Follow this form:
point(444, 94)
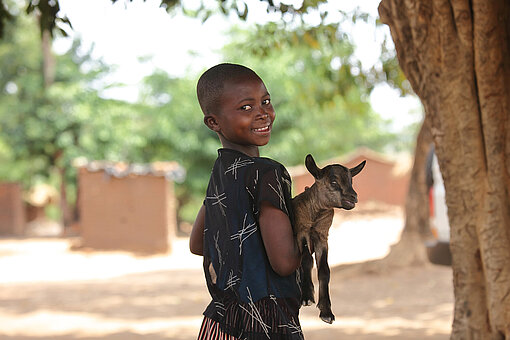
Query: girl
point(244, 229)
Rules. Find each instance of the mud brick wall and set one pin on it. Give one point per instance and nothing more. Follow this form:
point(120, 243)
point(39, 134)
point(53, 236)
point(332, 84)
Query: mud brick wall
point(12, 210)
point(133, 213)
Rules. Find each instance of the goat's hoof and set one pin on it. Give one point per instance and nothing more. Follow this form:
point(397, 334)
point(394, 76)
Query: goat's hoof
point(327, 317)
point(307, 298)
point(307, 302)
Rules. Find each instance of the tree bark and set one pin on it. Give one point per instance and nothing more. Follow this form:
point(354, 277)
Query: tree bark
point(456, 55)
point(48, 72)
point(48, 66)
point(410, 250)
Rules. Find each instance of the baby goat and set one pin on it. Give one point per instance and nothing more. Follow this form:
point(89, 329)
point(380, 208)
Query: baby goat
point(313, 215)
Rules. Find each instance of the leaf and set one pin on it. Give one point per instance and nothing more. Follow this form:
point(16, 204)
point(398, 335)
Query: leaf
point(31, 6)
point(63, 32)
point(310, 40)
point(244, 14)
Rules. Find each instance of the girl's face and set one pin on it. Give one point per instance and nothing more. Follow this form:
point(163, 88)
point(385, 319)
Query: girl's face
point(246, 115)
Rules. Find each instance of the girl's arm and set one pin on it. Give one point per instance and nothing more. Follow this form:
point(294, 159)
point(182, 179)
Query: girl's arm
point(196, 239)
point(279, 241)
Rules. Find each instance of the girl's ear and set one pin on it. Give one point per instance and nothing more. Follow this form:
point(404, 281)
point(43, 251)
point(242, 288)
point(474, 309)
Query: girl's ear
point(212, 123)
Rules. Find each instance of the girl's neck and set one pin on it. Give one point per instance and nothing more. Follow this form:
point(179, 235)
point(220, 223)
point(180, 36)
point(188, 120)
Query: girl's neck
point(250, 150)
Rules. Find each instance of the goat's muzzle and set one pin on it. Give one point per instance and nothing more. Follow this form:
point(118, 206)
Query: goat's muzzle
point(349, 203)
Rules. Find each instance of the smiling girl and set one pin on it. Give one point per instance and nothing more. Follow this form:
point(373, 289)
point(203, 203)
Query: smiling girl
point(243, 230)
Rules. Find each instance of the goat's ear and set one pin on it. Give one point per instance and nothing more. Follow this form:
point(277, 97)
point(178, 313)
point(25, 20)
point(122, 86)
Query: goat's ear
point(357, 169)
point(312, 167)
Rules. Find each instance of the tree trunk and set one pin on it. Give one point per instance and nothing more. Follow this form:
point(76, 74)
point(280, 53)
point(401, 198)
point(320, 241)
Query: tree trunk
point(456, 55)
point(410, 250)
point(48, 66)
point(66, 211)
point(48, 71)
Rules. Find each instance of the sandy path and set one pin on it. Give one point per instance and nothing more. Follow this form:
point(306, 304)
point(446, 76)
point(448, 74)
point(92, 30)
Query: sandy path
point(49, 292)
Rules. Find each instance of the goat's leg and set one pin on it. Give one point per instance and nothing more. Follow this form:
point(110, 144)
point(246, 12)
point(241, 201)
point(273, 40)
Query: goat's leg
point(307, 289)
point(324, 305)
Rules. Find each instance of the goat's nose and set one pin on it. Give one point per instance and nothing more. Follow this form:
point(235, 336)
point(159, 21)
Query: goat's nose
point(353, 198)
point(352, 195)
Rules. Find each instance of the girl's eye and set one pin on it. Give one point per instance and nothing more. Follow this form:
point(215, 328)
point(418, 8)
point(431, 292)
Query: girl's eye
point(266, 101)
point(246, 107)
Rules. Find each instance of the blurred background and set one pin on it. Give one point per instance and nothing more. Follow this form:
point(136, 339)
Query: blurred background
point(104, 161)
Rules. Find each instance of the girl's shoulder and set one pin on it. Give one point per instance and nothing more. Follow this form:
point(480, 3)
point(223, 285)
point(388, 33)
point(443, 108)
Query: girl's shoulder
point(235, 160)
point(264, 163)
point(264, 167)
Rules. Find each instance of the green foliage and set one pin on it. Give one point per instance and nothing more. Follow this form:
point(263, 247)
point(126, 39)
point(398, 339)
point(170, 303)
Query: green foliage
point(322, 106)
point(19, 75)
point(174, 130)
point(318, 89)
point(49, 17)
point(43, 129)
point(5, 16)
point(291, 16)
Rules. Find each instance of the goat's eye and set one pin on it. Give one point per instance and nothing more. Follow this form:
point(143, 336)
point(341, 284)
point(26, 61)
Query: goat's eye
point(334, 183)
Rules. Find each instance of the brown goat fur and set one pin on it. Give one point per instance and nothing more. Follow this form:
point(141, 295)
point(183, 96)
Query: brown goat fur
point(313, 215)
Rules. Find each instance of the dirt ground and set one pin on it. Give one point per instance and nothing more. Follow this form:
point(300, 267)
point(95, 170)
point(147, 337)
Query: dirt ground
point(48, 291)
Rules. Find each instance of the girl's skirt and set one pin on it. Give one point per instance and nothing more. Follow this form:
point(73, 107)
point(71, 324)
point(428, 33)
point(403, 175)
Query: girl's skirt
point(210, 330)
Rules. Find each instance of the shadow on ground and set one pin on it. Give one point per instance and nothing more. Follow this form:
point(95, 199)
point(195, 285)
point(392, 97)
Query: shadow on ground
point(410, 303)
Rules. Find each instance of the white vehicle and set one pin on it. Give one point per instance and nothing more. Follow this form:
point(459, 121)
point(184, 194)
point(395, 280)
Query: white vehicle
point(438, 249)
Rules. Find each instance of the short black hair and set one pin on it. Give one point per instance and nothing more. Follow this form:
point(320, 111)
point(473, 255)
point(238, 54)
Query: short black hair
point(211, 83)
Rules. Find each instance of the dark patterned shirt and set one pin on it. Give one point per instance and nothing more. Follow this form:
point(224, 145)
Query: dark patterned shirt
point(249, 299)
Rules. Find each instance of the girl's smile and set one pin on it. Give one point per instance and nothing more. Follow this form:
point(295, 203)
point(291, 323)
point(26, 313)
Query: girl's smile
point(263, 130)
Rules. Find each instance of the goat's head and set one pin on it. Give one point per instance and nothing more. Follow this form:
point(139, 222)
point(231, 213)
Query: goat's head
point(334, 183)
